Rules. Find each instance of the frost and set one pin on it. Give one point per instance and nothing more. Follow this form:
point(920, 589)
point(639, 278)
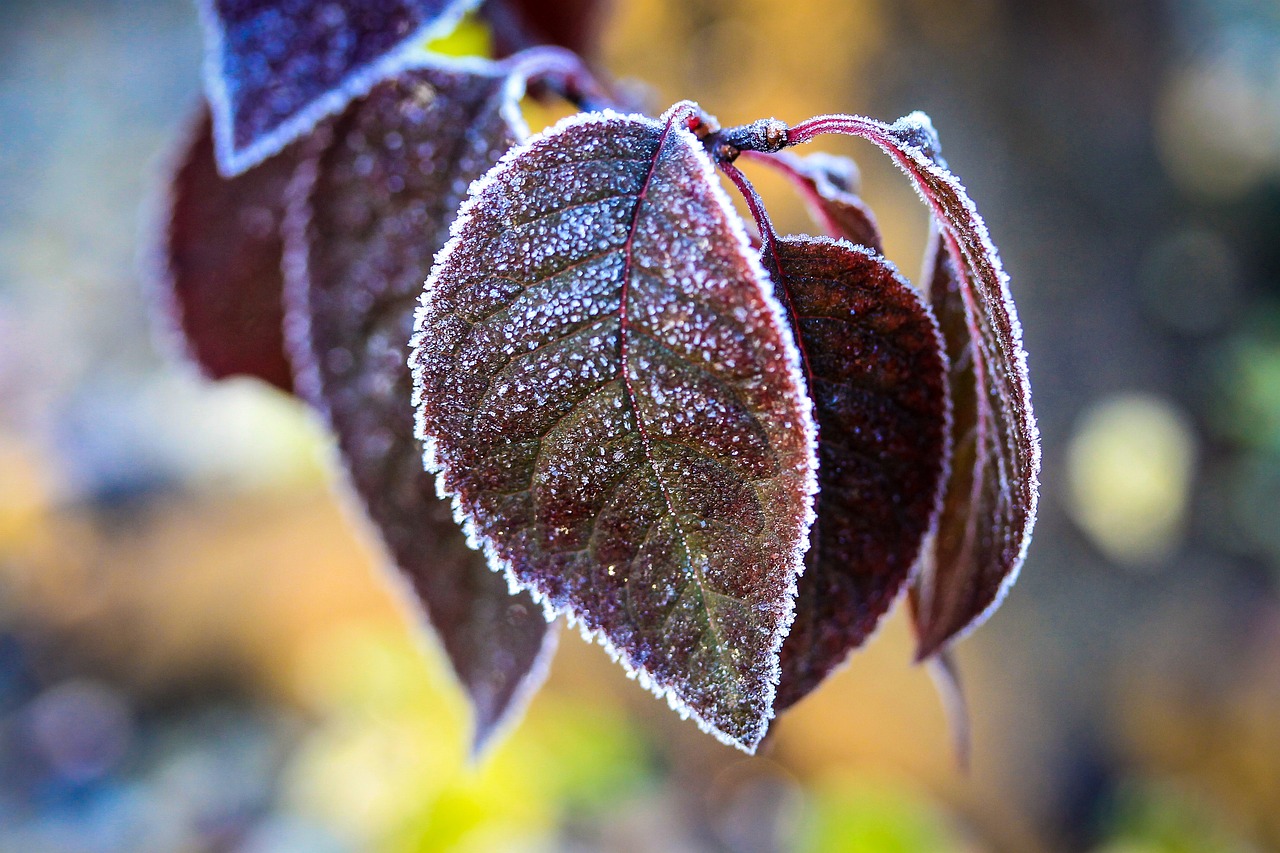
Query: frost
point(990, 505)
point(274, 68)
point(365, 220)
point(616, 405)
point(987, 511)
point(877, 374)
point(659, 498)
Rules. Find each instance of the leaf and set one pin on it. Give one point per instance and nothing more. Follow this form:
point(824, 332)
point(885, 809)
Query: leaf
point(366, 219)
point(274, 68)
point(990, 505)
point(613, 398)
point(574, 24)
point(877, 375)
point(964, 573)
point(220, 261)
point(827, 184)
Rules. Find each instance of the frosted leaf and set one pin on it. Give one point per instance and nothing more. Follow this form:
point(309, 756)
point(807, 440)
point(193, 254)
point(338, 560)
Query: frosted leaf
point(220, 261)
point(828, 185)
point(365, 222)
point(990, 505)
point(878, 380)
point(613, 398)
point(273, 68)
point(970, 560)
point(574, 24)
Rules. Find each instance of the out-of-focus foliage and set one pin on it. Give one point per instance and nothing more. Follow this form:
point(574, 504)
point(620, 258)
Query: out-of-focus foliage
point(854, 814)
point(181, 602)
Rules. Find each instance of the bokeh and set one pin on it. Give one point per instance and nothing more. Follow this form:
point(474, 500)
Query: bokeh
point(198, 647)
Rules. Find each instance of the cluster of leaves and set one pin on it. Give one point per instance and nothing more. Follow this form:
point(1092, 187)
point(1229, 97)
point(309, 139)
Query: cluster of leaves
point(722, 452)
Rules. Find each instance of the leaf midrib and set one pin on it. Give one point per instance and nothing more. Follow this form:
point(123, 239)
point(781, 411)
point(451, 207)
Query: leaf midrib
point(641, 428)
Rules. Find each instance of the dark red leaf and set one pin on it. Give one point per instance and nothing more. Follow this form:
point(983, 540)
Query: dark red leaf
point(274, 68)
point(828, 185)
point(366, 220)
point(990, 506)
point(517, 24)
point(221, 262)
point(614, 399)
point(877, 375)
point(965, 568)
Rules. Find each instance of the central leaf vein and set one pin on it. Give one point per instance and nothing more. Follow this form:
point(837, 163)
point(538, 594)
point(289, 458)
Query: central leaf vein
point(641, 428)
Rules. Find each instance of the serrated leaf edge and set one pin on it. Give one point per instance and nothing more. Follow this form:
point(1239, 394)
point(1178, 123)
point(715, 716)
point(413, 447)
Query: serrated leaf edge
point(794, 368)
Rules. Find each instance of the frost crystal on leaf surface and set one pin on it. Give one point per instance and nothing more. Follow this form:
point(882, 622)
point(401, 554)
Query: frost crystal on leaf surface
point(613, 397)
point(973, 556)
point(990, 504)
point(273, 68)
point(875, 367)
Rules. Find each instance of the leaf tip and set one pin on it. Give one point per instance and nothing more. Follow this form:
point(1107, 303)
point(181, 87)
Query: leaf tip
point(492, 721)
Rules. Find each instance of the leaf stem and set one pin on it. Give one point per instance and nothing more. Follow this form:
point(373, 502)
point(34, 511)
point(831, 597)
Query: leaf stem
point(769, 254)
point(768, 237)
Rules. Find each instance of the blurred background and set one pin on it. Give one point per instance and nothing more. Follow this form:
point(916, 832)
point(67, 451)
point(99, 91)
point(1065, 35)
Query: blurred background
point(198, 651)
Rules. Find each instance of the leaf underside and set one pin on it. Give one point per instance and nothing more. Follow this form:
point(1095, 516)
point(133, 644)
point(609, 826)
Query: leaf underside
point(276, 67)
point(878, 381)
point(221, 261)
point(990, 503)
point(364, 226)
point(967, 563)
point(614, 399)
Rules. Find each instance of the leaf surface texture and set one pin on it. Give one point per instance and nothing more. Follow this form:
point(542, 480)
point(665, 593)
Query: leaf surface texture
point(613, 397)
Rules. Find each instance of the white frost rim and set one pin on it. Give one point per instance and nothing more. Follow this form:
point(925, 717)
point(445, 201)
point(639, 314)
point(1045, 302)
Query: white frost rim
point(357, 82)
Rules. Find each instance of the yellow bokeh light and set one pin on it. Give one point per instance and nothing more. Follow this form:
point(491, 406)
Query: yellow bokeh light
point(1130, 466)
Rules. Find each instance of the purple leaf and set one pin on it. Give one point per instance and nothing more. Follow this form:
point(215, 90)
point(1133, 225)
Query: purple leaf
point(274, 68)
point(366, 219)
point(990, 505)
point(878, 380)
point(574, 24)
point(221, 261)
point(613, 397)
point(828, 185)
point(873, 360)
point(964, 573)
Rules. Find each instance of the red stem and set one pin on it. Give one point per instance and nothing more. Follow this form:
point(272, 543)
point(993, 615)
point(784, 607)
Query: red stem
point(769, 252)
